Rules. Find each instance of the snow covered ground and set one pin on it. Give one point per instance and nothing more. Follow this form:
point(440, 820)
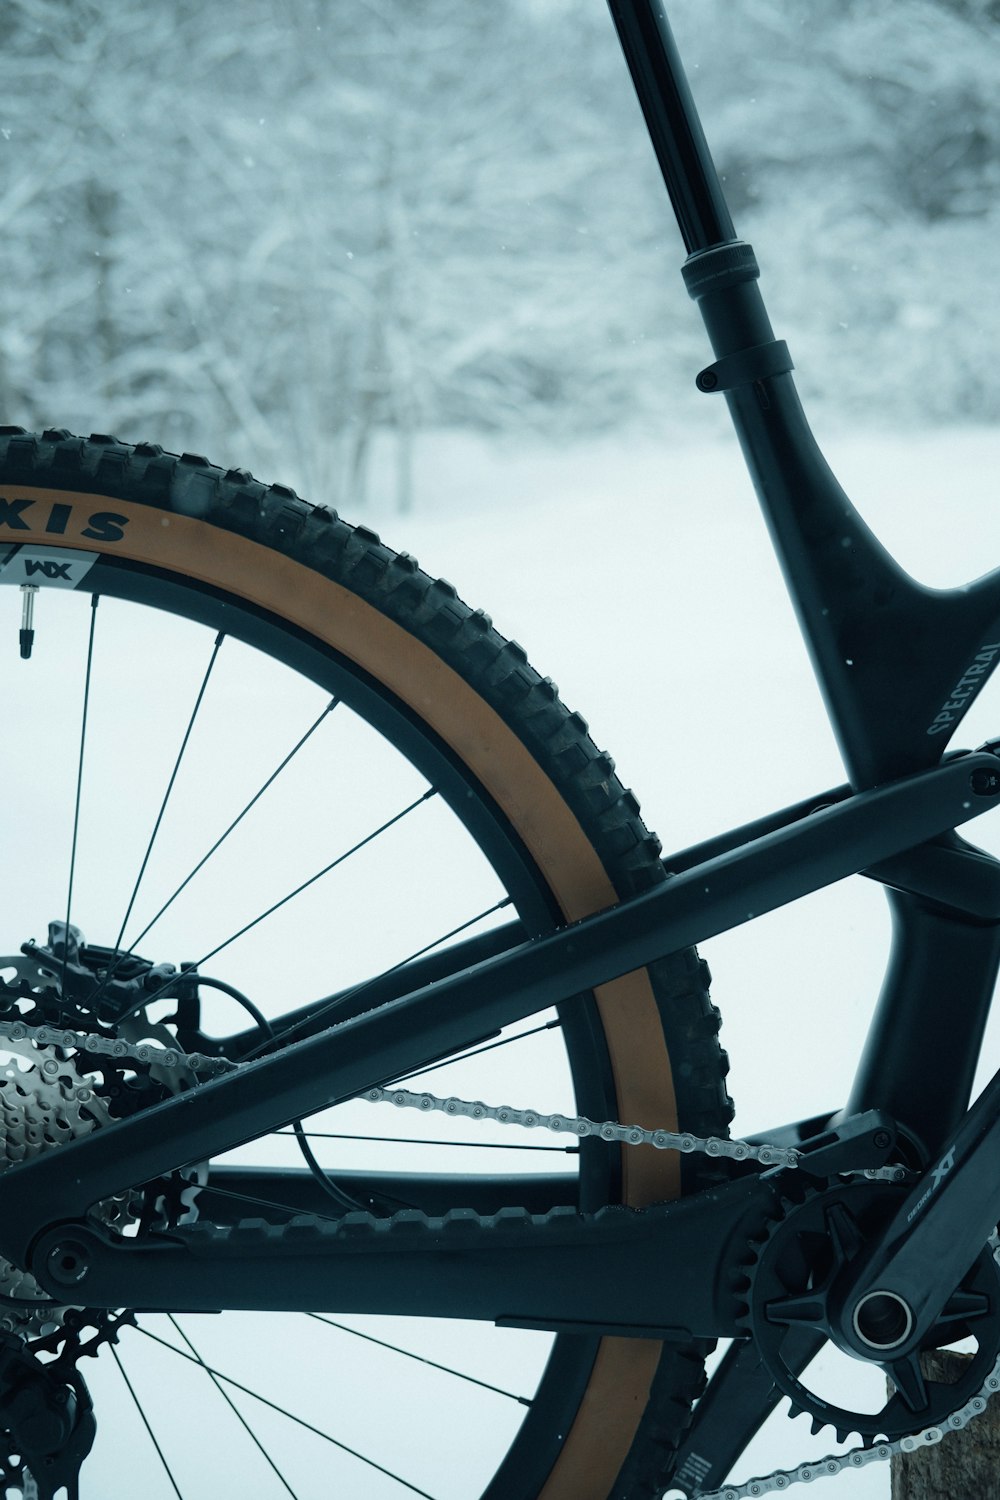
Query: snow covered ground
point(639, 575)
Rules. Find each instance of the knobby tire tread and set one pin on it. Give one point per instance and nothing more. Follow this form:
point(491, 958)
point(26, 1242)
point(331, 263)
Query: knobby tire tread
point(500, 673)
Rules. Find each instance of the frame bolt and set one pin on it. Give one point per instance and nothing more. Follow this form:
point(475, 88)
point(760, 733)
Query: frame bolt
point(881, 1139)
point(68, 1263)
point(985, 783)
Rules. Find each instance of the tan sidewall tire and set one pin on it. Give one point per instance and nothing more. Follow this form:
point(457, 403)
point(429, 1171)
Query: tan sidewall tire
point(599, 1440)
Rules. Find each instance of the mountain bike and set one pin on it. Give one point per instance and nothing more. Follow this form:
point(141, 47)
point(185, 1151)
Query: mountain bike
point(452, 900)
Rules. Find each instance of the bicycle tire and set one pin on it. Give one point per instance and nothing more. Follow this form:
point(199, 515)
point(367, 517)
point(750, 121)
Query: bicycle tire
point(156, 521)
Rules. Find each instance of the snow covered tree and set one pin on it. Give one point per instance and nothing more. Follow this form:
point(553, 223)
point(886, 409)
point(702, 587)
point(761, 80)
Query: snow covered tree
point(298, 237)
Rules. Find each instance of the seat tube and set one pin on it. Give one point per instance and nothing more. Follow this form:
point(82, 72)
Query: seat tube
point(920, 1057)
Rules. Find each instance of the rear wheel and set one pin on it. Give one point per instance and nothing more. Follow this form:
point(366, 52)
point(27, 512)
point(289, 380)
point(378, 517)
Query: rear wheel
point(373, 774)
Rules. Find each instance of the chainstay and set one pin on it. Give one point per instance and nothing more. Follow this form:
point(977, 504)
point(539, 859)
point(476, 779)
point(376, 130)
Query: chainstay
point(97, 1044)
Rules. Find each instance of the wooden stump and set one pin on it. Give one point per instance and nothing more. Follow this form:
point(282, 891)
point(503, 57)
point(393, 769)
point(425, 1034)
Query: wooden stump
point(965, 1465)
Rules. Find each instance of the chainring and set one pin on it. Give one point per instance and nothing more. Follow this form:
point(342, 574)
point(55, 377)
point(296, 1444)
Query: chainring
point(806, 1252)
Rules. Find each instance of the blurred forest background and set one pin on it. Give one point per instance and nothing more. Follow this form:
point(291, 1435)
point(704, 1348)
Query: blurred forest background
point(294, 233)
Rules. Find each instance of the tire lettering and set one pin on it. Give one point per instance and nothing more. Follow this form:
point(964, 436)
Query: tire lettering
point(105, 526)
point(58, 519)
point(102, 526)
point(11, 512)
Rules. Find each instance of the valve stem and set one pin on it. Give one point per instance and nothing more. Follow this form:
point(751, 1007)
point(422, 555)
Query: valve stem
point(28, 592)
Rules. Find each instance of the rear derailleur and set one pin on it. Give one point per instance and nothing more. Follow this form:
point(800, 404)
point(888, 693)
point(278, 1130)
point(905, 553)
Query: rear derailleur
point(47, 1425)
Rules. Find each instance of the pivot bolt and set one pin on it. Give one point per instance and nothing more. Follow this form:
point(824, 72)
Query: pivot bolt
point(985, 783)
point(68, 1263)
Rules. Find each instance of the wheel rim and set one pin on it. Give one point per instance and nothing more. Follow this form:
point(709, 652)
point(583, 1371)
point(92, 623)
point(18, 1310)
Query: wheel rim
point(628, 1376)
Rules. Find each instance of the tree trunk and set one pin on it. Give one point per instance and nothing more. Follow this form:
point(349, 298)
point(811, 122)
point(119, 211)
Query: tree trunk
point(965, 1465)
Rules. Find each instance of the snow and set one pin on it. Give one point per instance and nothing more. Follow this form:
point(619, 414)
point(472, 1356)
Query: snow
point(271, 243)
point(638, 574)
point(268, 241)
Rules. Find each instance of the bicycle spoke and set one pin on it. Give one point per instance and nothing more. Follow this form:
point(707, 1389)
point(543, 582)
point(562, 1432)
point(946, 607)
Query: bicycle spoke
point(170, 786)
point(236, 821)
point(328, 1007)
point(421, 1359)
point(145, 1421)
point(277, 905)
point(232, 1405)
point(79, 782)
point(310, 615)
point(285, 1208)
point(114, 967)
point(286, 1192)
point(406, 1140)
point(505, 1041)
point(299, 1421)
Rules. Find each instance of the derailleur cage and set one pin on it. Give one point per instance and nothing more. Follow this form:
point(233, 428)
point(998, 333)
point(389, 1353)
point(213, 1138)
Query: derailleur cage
point(47, 1417)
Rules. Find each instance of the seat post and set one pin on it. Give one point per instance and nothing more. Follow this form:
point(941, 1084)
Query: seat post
point(673, 123)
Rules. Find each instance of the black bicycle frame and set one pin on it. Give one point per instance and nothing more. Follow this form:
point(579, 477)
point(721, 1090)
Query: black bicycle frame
point(899, 665)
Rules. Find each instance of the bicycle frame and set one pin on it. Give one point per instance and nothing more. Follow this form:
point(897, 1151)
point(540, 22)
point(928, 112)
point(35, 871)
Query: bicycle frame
point(899, 665)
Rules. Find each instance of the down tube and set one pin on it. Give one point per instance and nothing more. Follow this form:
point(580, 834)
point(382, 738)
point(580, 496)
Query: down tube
point(923, 1044)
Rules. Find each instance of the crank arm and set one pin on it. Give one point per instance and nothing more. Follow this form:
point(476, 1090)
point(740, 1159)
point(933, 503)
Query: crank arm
point(452, 1013)
point(931, 1243)
point(670, 1271)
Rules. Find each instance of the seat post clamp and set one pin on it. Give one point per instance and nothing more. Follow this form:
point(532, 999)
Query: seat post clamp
point(746, 367)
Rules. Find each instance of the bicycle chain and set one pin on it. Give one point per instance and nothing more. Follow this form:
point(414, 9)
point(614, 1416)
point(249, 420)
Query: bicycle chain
point(767, 1155)
point(858, 1458)
point(607, 1130)
point(97, 1044)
